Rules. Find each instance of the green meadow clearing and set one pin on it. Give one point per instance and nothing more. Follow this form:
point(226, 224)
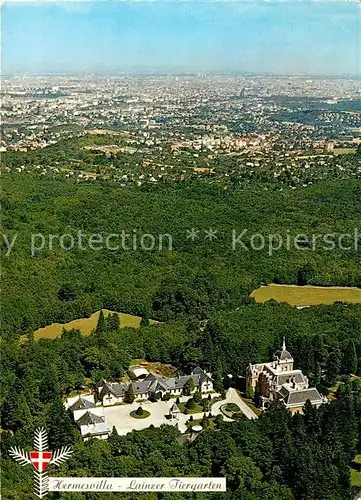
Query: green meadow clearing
point(307, 295)
point(87, 325)
point(355, 478)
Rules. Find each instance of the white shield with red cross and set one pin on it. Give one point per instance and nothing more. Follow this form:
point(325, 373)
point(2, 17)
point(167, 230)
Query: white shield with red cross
point(40, 459)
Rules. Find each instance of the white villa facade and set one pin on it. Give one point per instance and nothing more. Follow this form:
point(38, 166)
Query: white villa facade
point(279, 381)
point(89, 409)
point(88, 416)
point(110, 393)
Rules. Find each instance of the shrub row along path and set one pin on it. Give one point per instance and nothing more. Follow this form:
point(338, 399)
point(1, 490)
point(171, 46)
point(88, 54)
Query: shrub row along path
point(119, 416)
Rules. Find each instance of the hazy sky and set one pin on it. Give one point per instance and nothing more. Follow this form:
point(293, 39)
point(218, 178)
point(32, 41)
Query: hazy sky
point(108, 36)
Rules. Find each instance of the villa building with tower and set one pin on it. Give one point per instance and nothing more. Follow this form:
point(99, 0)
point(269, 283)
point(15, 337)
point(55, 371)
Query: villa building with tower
point(277, 380)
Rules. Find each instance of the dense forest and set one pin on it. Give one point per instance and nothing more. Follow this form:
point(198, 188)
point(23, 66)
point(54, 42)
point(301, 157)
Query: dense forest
point(274, 458)
point(200, 291)
point(194, 277)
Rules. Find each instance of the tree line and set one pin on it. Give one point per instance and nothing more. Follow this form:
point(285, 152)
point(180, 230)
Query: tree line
point(300, 457)
point(195, 278)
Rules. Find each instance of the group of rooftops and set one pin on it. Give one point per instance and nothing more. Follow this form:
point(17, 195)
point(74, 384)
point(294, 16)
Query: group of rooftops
point(153, 383)
point(88, 416)
point(88, 409)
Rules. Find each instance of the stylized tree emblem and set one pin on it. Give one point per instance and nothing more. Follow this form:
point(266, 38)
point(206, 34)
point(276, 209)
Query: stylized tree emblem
point(40, 459)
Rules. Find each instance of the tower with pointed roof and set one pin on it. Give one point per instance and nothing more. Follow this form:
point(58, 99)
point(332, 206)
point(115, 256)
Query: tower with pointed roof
point(283, 360)
point(279, 381)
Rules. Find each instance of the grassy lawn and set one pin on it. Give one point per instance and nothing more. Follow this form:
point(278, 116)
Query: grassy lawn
point(86, 325)
point(344, 151)
point(195, 423)
point(232, 407)
point(333, 389)
point(187, 411)
point(306, 295)
point(250, 405)
point(231, 410)
point(143, 414)
point(355, 478)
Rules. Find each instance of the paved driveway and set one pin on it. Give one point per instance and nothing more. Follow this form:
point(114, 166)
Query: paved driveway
point(232, 396)
point(119, 416)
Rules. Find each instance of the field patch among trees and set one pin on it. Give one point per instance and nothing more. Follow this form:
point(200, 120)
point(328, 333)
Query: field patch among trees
point(87, 325)
point(306, 295)
point(194, 279)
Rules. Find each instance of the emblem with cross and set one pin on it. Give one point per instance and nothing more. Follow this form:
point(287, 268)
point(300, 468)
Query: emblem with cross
point(40, 460)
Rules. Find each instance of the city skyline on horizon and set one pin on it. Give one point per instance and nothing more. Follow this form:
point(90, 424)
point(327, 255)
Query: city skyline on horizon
point(114, 38)
point(180, 73)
